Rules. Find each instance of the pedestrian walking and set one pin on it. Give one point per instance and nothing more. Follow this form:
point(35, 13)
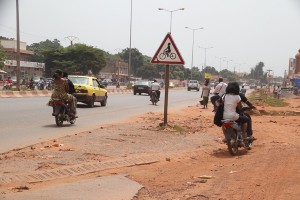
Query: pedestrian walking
point(275, 91)
point(205, 94)
point(243, 90)
point(278, 92)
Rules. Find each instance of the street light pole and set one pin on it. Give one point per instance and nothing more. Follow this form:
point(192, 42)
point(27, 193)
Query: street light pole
point(193, 29)
point(220, 58)
point(205, 48)
point(18, 47)
point(129, 53)
point(227, 63)
point(171, 17)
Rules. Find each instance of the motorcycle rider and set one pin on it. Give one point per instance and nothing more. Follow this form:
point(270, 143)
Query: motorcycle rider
point(31, 84)
point(219, 91)
point(8, 83)
point(60, 90)
point(41, 83)
point(156, 87)
point(249, 122)
point(70, 83)
point(232, 101)
point(243, 90)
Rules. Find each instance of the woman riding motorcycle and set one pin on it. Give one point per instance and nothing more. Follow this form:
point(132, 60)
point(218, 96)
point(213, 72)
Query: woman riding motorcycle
point(60, 90)
point(232, 101)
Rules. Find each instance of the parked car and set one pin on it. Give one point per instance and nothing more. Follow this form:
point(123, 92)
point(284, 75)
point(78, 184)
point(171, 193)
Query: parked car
point(141, 86)
point(106, 82)
point(193, 85)
point(88, 90)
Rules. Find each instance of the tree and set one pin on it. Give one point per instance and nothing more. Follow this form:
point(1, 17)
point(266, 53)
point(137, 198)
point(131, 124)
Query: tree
point(137, 59)
point(258, 73)
point(79, 59)
point(177, 72)
point(210, 70)
point(5, 38)
point(229, 75)
point(3, 57)
point(40, 48)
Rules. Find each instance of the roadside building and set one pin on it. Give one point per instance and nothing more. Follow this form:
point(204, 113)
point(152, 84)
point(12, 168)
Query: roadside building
point(115, 70)
point(292, 67)
point(28, 69)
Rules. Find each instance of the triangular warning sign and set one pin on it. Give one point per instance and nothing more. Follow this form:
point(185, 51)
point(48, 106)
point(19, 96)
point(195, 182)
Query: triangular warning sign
point(167, 53)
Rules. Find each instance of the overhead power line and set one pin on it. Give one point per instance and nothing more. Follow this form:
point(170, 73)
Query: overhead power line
point(71, 39)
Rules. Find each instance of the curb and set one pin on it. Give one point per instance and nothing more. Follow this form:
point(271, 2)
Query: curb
point(47, 93)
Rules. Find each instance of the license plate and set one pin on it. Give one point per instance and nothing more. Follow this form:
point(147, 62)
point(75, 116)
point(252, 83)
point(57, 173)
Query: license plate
point(140, 88)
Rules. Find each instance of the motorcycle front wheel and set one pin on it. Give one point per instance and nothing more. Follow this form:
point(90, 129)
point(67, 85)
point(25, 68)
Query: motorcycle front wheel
point(59, 120)
point(232, 143)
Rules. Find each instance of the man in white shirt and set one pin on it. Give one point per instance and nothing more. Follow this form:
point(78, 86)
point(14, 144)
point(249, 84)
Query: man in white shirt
point(219, 91)
point(156, 87)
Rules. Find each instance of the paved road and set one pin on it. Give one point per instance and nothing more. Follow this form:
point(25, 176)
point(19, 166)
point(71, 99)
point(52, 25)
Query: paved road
point(25, 121)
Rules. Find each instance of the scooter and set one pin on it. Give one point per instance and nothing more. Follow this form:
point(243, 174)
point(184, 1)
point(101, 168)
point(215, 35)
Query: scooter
point(62, 112)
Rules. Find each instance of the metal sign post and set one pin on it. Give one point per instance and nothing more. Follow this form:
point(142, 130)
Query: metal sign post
point(168, 54)
point(167, 80)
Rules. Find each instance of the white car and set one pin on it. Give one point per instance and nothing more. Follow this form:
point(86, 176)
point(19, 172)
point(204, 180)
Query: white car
point(171, 85)
point(193, 85)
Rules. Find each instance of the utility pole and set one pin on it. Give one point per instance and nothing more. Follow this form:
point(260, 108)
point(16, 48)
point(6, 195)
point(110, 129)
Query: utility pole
point(71, 39)
point(192, 64)
point(220, 68)
point(205, 48)
point(18, 47)
point(269, 76)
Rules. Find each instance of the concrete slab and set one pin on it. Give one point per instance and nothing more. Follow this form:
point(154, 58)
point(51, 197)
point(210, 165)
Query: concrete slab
point(117, 187)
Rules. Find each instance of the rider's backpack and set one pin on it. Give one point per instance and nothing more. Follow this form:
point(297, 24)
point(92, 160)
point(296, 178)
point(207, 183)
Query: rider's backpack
point(219, 113)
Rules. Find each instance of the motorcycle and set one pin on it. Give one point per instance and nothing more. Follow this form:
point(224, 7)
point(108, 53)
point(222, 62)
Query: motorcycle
point(7, 86)
point(153, 97)
point(233, 135)
point(30, 85)
point(62, 112)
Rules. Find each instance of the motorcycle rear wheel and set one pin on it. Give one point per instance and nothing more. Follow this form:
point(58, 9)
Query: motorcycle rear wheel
point(59, 120)
point(232, 143)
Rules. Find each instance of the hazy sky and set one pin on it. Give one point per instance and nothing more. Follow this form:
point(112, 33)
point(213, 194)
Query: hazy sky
point(244, 31)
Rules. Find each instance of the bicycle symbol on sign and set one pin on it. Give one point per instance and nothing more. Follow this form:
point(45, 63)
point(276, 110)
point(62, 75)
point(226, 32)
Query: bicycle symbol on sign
point(167, 53)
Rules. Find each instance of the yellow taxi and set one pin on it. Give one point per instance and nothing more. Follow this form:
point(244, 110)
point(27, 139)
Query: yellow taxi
point(88, 90)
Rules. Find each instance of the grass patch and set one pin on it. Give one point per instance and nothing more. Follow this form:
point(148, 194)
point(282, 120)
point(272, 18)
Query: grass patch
point(178, 128)
point(279, 113)
point(251, 98)
point(266, 98)
point(170, 127)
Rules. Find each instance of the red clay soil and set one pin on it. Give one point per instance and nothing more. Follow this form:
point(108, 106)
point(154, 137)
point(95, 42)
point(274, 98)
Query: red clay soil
point(200, 166)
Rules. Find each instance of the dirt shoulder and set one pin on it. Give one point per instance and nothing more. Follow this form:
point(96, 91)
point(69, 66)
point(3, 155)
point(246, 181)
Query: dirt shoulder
point(188, 159)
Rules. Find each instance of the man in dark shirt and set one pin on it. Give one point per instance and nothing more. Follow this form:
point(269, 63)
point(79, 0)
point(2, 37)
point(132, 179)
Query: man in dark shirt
point(249, 125)
point(71, 85)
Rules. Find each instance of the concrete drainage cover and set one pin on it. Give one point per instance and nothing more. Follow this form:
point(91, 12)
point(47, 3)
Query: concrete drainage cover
point(116, 187)
point(89, 167)
point(75, 170)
